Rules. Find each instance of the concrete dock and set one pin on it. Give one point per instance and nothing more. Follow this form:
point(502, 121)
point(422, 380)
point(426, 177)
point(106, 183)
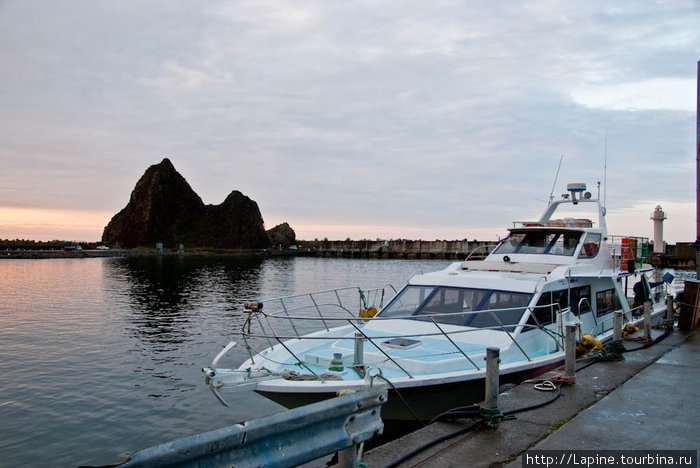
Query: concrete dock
point(649, 401)
point(398, 248)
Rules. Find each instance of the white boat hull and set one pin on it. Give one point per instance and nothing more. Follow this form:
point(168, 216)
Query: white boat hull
point(424, 401)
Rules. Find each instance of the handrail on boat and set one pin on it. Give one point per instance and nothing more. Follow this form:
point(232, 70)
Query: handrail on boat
point(555, 309)
point(509, 335)
point(313, 302)
point(352, 324)
point(582, 301)
point(291, 322)
point(356, 323)
point(454, 344)
point(486, 246)
point(327, 291)
point(395, 360)
point(321, 309)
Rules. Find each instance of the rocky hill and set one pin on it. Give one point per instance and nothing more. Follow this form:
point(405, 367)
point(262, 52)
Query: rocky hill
point(282, 235)
point(164, 208)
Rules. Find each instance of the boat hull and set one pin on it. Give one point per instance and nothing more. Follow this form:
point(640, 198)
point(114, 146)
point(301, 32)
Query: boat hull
point(425, 402)
point(434, 397)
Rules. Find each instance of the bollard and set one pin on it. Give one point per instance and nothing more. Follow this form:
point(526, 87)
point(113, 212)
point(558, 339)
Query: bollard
point(358, 358)
point(492, 368)
point(490, 412)
point(647, 321)
point(570, 359)
point(669, 311)
point(617, 325)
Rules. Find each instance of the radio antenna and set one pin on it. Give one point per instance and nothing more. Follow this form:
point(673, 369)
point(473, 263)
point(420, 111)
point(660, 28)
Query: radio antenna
point(605, 172)
point(551, 194)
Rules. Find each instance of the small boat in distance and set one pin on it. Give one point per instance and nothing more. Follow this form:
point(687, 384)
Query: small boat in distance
point(428, 342)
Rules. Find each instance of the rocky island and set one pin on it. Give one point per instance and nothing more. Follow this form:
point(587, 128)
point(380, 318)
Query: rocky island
point(163, 208)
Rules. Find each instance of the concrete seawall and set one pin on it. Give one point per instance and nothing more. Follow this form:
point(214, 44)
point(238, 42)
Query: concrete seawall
point(402, 248)
point(397, 249)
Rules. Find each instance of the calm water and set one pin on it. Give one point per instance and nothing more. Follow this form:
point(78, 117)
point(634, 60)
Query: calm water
point(102, 357)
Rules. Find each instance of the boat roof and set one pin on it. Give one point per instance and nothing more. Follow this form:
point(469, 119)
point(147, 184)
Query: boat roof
point(456, 276)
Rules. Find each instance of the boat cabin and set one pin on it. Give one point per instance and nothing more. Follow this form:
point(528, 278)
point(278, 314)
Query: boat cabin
point(559, 263)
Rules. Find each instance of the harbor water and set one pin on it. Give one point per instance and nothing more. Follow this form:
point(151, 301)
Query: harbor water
point(100, 357)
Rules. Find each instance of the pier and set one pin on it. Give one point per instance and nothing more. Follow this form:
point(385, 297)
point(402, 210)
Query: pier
point(400, 248)
point(682, 255)
point(644, 403)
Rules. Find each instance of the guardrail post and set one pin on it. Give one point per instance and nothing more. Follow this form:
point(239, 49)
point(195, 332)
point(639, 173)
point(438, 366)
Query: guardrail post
point(647, 321)
point(617, 325)
point(347, 458)
point(490, 412)
point(669, 311)
point(570, 357)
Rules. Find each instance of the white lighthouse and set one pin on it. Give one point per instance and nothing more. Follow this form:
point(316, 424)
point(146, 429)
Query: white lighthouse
point(658, 217)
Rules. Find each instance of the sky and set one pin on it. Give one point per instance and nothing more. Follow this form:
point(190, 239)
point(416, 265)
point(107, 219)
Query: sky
point(350, 119)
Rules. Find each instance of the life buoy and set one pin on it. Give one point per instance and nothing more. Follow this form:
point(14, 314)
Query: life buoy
point(368, 313)
point(629, 329)
point(587, 344)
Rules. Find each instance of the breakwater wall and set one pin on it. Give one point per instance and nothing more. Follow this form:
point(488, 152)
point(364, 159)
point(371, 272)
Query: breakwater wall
point(399, 248)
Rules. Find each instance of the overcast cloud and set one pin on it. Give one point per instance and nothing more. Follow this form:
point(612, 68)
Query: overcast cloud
point(440, 119)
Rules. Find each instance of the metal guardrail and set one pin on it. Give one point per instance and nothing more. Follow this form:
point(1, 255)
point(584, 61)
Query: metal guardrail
point(286, 439)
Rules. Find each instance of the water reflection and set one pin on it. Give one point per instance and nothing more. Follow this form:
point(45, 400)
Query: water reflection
point(169, 296)
point(89, 347)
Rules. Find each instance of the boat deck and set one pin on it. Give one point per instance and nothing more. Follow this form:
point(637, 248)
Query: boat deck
point(430, 356)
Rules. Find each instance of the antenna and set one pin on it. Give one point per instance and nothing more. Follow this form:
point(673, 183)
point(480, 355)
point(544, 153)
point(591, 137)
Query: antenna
point(551, 194)
point(605, 173)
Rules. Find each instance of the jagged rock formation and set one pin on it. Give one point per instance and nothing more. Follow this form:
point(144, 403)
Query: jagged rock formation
point(283, 235)
point(164, 208)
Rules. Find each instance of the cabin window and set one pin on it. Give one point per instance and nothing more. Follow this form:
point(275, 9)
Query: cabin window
point(407, 301)
point(507, 309)
point(574, 301)
point(535, 243)
point(544, 311)
point(552, 302)
point(510, 244)
point(540, 242)
point(564, 244)
point(606, 302)
point(591, 246)
point(459, 306)
point(580, 300)
point(456, 302)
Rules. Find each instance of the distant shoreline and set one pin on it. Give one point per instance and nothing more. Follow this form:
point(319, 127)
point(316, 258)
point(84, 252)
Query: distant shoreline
point(35, 254)
point(400, 248)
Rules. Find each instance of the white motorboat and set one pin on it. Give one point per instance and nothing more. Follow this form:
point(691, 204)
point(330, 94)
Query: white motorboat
point(428, 342)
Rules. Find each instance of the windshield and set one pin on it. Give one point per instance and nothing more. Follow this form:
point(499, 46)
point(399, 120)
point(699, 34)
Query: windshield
point(459, 306)
point(591, 246)
point(540, 242)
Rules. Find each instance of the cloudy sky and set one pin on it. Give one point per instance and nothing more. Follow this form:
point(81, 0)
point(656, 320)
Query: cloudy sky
point(362, 119)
